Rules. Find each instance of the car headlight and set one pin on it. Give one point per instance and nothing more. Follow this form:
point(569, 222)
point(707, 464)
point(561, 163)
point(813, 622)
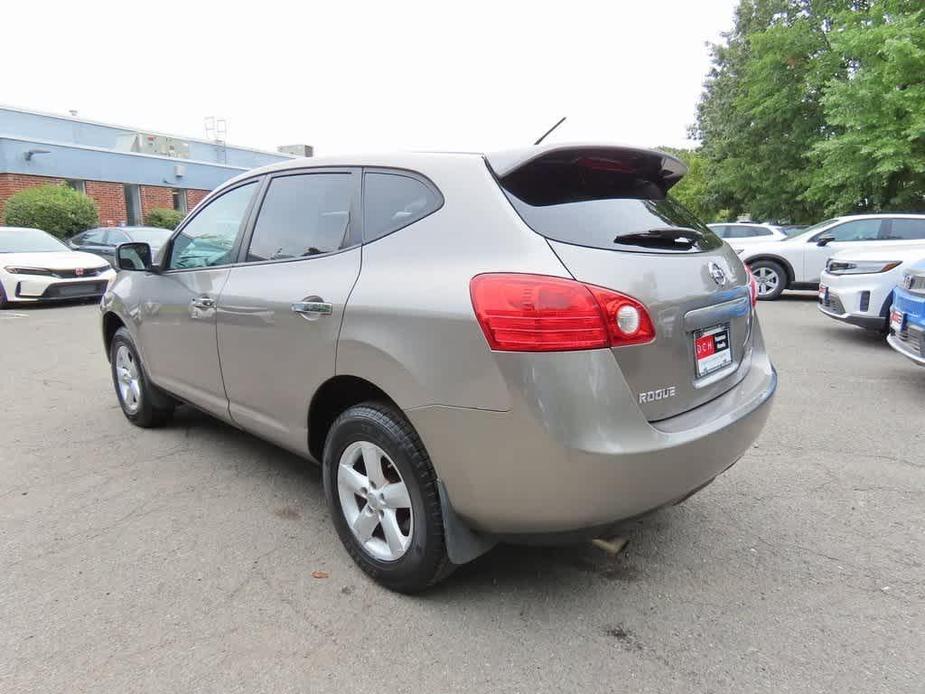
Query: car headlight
point(860, 267)
point(15, 270)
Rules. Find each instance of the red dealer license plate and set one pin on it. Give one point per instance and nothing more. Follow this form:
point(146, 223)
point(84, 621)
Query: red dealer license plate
point(897, 318)
point(711, 349)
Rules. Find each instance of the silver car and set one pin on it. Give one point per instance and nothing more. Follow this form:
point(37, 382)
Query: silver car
point(530, 344)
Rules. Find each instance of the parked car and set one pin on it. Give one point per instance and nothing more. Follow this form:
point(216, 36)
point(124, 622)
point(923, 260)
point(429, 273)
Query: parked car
point(35, 266)
point(742, 234)
point(536, 342)
point(102, 241)
point(907, 315)
point(857, 286)
point(797, 262)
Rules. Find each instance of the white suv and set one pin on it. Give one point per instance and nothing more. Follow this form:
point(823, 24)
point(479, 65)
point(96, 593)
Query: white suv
point(742, 234)
point(798, 262)
point(857, 286)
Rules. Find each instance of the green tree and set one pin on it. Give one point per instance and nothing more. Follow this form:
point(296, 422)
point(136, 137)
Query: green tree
point(163, 217)
point(761, 112)
point(692, 191)
point(873, 157)
point(57, 209)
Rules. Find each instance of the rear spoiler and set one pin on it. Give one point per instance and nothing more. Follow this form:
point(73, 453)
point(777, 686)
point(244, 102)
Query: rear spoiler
point(657, 167)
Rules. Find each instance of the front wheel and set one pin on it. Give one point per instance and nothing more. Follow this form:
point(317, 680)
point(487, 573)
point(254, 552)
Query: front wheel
point(382, 493)
point(141, 402)
point(770, 277)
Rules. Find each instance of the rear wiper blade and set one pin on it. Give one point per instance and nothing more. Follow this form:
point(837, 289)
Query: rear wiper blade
point(665, 238)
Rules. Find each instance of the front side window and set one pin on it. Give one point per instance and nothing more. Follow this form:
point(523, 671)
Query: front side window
point(209, 238)
point(904, 229)
point(858, 230)
point(303, 215)
point(392, 201)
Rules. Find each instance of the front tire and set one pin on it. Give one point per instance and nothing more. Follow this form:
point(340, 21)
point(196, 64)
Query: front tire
point(770, 277)
point(142, 403)
point(382, 493)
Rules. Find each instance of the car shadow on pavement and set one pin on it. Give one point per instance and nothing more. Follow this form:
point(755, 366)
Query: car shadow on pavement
point(250, 449)
point(540, 569)
point(798, 295)
point(857, 336)
point(652, 539)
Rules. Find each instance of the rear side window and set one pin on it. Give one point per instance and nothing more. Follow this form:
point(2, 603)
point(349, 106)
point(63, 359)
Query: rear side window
point(605, 203)
point(905, 229)
point(392, 201)
point(303, 215)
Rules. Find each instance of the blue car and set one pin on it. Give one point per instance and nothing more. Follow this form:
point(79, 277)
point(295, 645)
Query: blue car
point(907, 316)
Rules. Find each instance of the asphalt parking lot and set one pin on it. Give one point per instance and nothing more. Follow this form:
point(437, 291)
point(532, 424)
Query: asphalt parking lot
point(181, 559)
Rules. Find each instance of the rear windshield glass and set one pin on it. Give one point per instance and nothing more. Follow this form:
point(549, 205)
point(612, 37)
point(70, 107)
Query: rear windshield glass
point(587, 204)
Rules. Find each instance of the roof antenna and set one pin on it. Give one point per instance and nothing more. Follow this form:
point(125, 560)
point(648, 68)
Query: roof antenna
point(560, 122)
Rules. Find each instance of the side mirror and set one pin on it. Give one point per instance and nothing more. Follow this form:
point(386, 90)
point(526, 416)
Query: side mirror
point(134, 256)
point(824, 240)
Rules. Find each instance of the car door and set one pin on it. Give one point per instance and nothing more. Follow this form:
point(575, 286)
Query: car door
point(855, 233)
point(280, 311)
point(177, 317)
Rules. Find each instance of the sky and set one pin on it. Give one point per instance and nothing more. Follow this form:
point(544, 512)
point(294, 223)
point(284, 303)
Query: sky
point(350, 76)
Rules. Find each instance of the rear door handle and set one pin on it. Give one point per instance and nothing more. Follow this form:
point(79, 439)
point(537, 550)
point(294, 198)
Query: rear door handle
point(203, 302)
point(313, 309)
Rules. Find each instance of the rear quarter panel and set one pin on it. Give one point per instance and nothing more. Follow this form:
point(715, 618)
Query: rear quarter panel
point(409, 326)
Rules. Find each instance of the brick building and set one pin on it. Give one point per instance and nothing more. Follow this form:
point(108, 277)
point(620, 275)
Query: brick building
point(128, 172)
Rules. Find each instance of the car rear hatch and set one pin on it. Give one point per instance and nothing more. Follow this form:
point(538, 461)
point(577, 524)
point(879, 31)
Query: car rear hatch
point(605, 212)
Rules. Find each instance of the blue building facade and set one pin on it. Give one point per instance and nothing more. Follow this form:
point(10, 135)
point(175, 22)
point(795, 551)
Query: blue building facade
point(110, 163)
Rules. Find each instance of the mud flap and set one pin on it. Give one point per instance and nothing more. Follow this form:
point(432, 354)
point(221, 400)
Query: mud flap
point(462, 543)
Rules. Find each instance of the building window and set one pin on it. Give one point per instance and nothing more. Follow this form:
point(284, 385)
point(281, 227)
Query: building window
point(179, 200)
point(132, 204)
point(77, 185)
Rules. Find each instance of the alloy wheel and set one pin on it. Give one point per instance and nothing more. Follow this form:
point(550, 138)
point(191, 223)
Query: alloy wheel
point(767, 280)
point(375, 501)
point(128, 379)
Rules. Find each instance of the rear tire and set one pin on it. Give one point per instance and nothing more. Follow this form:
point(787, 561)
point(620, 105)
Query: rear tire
point(770, 277)
point(142, 403)
point(382, 494)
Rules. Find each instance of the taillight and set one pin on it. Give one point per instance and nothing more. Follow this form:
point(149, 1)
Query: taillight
point(537, 313)
point(752, 286)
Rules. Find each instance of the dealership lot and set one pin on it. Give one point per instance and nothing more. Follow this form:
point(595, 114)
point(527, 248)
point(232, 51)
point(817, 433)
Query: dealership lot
point(181, 559)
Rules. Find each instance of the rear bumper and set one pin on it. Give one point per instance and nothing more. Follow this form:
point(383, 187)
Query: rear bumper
point(575, 453)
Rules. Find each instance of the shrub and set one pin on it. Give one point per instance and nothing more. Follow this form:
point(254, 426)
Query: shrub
point(57, 209)
point(163, 217)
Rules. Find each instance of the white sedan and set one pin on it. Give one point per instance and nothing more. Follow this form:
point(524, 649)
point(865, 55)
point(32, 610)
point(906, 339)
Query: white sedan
point(35, 266)
point(798, 262)
point(857, 286)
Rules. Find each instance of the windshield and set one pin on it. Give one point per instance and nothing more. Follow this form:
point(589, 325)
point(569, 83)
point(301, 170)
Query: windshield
point(14, 240)
point(814, 228)
point(152, 237)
